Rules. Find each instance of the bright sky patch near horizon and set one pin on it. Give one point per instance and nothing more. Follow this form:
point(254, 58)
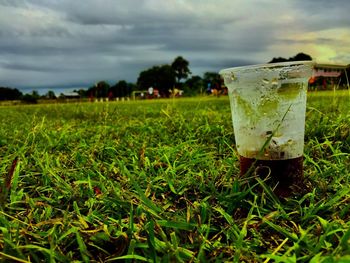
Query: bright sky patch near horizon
point(65, 43)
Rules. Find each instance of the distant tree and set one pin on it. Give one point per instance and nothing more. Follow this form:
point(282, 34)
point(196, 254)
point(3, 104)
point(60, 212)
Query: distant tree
point(50, 95)
point(211, 76)
point(10, 94)
point(99, 90)
point(279, 59)
point(91, 91)
point(166, 79)
point(121, 89)
point(27, 98)
point(82, 93)
point(35, 94)
point(148, 78)
point(31, 98)
point(212, 79)
point(298, 57)
point(159, 77)
point(132, 86)
point(180, 67)
point(195, 84)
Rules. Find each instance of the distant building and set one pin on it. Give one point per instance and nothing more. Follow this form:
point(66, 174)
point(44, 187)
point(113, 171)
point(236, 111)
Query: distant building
point(329, 76)
point(70, 95)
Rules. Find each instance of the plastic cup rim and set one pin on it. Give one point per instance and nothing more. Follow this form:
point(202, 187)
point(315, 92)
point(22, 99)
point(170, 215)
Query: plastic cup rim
point(267, 66)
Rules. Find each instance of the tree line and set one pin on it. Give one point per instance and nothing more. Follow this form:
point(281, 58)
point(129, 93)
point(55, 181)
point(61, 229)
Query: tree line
point(164, 78)
point(298, 57)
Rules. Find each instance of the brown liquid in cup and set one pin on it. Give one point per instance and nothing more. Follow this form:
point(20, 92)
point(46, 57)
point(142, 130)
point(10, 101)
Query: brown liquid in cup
point(284, 172)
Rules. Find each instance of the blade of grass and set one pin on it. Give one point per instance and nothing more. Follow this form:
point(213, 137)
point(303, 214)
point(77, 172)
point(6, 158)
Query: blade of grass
point(10, 257)
point(176, 225)
point(277, 249)
point(129, 257)
point(82, 247)
point(283, 231)
point(150, 240)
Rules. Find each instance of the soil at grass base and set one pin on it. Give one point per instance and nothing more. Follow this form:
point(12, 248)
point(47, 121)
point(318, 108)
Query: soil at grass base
point(286, 173)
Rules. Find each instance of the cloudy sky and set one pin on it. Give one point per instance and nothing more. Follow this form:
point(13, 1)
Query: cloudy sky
point(74, 43)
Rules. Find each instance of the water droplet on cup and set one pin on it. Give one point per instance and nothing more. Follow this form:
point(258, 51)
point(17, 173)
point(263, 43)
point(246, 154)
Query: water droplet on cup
point(229, 78)
point(274, 82)
point(233, 77)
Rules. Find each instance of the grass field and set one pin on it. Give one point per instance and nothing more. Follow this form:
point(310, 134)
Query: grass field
point(158, 181)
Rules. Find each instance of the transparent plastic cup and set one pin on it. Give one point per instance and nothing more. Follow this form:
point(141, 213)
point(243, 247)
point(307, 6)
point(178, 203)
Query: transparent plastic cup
point(268, 104)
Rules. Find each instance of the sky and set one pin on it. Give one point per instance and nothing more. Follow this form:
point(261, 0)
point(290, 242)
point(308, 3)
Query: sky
point(66, 44)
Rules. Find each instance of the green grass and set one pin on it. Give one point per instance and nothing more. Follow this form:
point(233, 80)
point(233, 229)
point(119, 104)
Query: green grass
point(157, 181)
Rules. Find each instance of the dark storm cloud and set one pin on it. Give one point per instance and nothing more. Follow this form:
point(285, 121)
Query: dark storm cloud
point(323, 6)
point(216, 65)
point(324, 14)
point(79, 42)
point(28, 67)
